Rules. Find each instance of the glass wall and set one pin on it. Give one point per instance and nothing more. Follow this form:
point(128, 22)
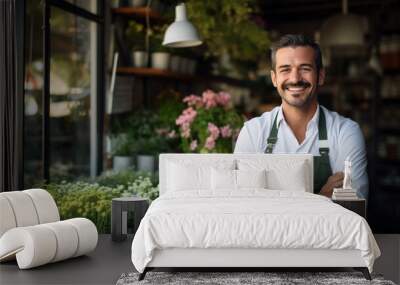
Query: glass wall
point(68, 149)
point(72, 94)
point(33, 131)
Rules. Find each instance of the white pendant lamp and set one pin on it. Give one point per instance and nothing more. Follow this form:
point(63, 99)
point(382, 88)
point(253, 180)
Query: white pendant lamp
point(344, 29)
point(181, 33)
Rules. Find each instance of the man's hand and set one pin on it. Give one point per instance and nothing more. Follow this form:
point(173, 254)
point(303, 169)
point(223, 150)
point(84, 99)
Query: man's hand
point(334, 181)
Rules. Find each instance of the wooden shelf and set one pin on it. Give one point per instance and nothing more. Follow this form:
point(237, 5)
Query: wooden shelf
point(167, 74)
point(391, 71)
point(388, 162)
point(349, 80)
point(390, 101)
point(389, 130)
point(138, 13)
point(153, 72)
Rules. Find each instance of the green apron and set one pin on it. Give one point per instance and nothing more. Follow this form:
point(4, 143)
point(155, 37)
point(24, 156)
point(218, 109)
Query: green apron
point(322, 167)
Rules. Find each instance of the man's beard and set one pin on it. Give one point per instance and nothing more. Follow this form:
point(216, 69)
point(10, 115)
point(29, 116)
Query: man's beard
point(305, 99)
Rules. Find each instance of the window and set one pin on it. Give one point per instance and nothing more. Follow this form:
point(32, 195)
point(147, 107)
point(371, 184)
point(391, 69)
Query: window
point(63, 91)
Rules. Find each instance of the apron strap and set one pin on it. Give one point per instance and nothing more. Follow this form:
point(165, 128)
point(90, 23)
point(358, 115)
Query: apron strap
point(273, 136)
point(322, 166)
point(322, 134)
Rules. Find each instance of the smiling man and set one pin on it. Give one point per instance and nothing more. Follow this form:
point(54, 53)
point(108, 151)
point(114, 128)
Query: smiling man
point(301, 125)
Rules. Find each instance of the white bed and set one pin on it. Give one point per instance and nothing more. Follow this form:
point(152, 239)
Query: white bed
point(203, 221)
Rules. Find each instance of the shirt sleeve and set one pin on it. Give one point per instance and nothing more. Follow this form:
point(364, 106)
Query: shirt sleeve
point(245, 142)
point(352, 145)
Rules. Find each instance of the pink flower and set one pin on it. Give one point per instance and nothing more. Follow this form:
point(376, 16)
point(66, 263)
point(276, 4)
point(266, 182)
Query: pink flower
point(226, 131)
point(193, 100)
point(185, 130)
point(209, 99)
point(193, 145)
point(214, 131)
point(187, 117)
point(223, 98)
point(171, 134)
point(210, 143)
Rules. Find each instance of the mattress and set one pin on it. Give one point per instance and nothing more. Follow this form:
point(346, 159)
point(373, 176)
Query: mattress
point(251, 219)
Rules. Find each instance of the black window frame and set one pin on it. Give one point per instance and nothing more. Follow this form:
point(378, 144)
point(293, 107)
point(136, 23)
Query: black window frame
point(99, 18)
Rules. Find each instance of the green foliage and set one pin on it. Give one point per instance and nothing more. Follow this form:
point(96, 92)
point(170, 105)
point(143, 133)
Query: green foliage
point(92, 200)
point(144, 132)
point(231, 31)
point(122, 145)
point(135, 35)
point(114, 179)
point(157, 37)
point(170, 106)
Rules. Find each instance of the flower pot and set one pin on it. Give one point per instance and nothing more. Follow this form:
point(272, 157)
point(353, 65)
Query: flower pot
point(160, 60)
point(138, 3)
point(146, 163)
point(175, 62)
point(140, 58)
point(183, 65)
point(191, 66)
point(122, 162)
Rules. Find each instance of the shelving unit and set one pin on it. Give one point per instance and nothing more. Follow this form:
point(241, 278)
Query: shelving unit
point(138, 13)
point(153, 72)
point(384, 211)
point(159, 73)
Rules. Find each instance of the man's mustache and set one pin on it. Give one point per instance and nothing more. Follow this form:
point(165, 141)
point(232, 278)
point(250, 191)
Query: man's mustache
point(300, 83)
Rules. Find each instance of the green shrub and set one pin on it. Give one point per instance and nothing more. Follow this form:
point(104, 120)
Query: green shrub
point(92, 200)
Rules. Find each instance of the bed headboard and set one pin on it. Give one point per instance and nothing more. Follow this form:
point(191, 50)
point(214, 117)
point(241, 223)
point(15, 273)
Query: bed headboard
point(164, 159)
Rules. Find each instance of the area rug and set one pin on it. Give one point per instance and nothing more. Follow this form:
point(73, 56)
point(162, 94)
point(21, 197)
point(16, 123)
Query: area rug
point(243, 278)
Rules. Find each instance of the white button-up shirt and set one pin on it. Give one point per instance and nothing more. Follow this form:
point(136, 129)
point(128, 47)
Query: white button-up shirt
point(345, 139)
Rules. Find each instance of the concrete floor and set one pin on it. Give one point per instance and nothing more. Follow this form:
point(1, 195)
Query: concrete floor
point(111, 259)
point(103, 266)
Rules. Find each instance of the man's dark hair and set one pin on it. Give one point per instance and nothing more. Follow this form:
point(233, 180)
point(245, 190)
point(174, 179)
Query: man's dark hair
point(296, 41)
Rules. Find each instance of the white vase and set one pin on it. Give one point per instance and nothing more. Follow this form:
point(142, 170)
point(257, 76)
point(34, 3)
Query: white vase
point(138, 3)
point(145, 163)
point(122, 162)
point(140, 58)
point(160, 60)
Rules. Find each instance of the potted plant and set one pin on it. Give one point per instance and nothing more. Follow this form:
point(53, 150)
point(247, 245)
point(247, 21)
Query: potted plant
point(160, 56)
point(136, 33)
point(237, 33)
point(122, 154)
point(146, 141)
point(146, 150)
point(209, 123)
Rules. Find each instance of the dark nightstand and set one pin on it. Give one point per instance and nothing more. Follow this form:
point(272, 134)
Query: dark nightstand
point(358, 206)
point(119, 215)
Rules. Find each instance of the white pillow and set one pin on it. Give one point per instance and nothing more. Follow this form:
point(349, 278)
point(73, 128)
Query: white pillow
point(189, 175)
point(227, 179)
point(223, 179)
point(251, 178)
point(287, 174)
point(285, 177)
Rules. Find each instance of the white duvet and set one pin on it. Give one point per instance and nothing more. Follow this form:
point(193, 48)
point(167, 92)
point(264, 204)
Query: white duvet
point(250, 219)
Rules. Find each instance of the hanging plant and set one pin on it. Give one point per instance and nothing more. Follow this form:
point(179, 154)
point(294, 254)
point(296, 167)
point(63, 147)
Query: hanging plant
point(228, 27)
